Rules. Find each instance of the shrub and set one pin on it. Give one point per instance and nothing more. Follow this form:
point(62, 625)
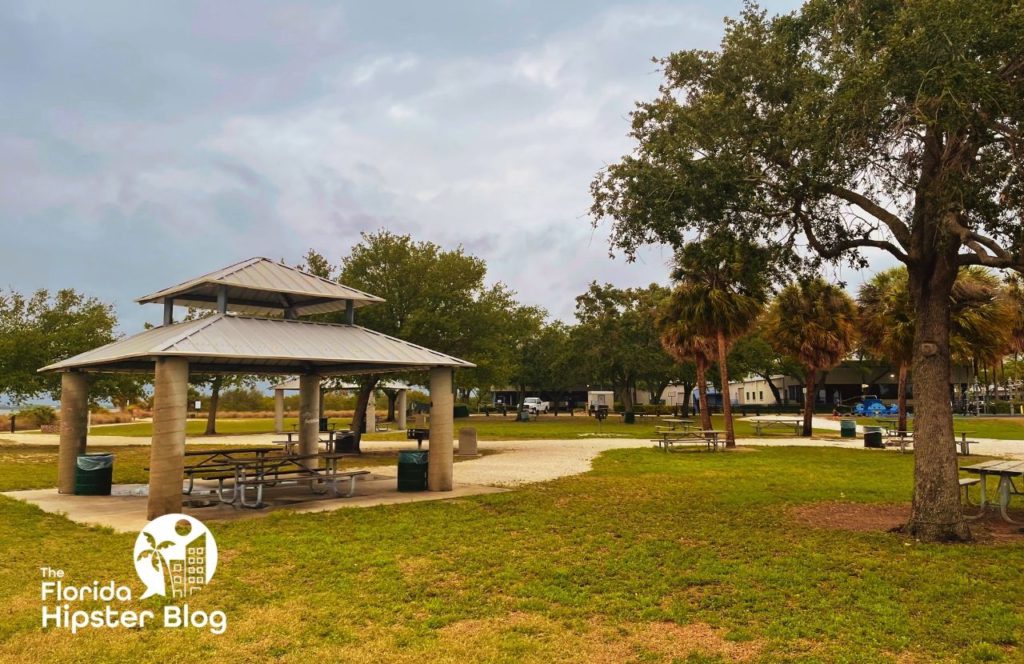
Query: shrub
point(36, 416)
point(461, 410)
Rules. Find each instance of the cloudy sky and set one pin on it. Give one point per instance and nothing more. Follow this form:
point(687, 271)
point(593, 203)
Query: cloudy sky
point(145, 142)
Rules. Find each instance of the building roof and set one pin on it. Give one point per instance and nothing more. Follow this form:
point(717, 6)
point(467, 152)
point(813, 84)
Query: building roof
point(261, 286)
point(226, 343)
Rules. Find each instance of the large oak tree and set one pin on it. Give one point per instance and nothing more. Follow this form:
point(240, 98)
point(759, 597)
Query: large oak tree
point(881, 125)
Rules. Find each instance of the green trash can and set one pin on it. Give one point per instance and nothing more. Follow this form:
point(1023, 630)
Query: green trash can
point(629, 417)
point(412, 470)
point(94, 474)
point(873, 437)
point(848, 428)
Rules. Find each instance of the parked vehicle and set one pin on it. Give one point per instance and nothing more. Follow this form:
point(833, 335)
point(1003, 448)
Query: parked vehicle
point(535, 405)
point(596, 398)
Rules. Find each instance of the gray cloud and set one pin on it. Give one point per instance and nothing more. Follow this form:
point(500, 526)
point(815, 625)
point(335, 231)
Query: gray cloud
point(148, 142)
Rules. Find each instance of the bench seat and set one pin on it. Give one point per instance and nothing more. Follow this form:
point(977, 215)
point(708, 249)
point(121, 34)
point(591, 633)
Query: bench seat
point(298, 476)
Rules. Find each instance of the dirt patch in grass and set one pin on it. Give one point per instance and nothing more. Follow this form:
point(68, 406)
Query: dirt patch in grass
point(602, 642)
point(889, 517)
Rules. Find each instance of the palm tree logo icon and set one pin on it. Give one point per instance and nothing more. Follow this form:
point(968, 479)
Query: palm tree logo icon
point(175, 556)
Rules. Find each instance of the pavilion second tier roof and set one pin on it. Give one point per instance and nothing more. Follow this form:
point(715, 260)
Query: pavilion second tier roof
point(226, 343)
point(262, 287)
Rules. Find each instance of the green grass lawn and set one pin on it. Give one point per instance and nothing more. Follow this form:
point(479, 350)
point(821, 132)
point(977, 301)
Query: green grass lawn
point(689, 557)
point(1001, 428)
point(494, 427)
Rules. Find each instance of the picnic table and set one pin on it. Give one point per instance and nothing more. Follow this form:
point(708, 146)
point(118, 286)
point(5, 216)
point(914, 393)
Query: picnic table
point(963, 443)
point(217, 464)
point(1005, 471)
point(334, 438)
point(906, 438)
point(674, 424)
point(760, 424)
point(256, 468)
point(708, 437)
point(293, 469)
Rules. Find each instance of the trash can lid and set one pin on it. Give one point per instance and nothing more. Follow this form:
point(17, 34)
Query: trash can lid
point(412, 456)
point(95, 461)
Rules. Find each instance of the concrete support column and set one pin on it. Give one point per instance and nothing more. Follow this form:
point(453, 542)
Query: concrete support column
point(167, 450)
point(279, 411)
point(440, 457)
point(74, 425)
point(401, 406)
point(309, 414)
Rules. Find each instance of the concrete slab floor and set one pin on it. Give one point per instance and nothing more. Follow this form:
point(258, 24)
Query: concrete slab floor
point(125, 511)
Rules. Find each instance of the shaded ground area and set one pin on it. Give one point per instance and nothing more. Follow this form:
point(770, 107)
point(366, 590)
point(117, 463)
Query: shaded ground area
point(880, 518)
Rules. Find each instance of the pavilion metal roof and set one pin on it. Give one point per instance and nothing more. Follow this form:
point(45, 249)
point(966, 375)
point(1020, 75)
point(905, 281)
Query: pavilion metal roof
point(227, 343)
point(293, 385)
point(261, 286)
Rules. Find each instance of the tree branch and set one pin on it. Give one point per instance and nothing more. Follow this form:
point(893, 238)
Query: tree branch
point(844, 245)
point(987, 251)
point(894, 223)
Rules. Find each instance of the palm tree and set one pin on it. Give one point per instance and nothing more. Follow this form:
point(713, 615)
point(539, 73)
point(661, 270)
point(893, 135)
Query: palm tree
point(720, 294)
point(887, 327)
point(1014, 290)
point(984, 324)
point(683, 345)
point(815, 323)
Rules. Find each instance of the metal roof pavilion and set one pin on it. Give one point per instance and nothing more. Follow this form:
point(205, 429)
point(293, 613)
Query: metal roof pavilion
point(262, 287)
point(226, 342)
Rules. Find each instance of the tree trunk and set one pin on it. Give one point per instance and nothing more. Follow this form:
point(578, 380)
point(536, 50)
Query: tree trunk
point(366, 387)
point(688, 391)
point(774, 388)
point(937, 514)
point(627, 398)
point(723, 371)
point(810, 385)
point(702, 395)
point(211, 417)
point(392, 400)
point(901, 398)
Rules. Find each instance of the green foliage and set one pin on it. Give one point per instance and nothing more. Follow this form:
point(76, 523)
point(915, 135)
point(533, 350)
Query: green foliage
point(753, 354)
point(244, 399)
point(616, 339)
point(44, 328)
point(460, 410)
point(982, 316)
point(915, 105)
point(722, 285)
point(37, 416)
point(814, 322)
point(436, 298)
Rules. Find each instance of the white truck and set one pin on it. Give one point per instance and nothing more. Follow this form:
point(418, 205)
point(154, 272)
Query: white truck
point(536, 406)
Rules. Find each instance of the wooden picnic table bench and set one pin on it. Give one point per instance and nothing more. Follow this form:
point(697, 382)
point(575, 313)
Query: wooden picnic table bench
point(905, 439)
point(708, 437)
point(219, 464)
point(293, 469)
point(1006, 471)
point(761, 424)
